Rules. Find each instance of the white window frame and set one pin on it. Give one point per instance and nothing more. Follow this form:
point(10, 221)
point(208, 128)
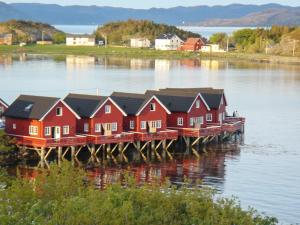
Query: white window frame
point(98, 127)
point(66, 130)
point(158, 124)
point(152, 107)
point(14, 126)
point(114, 127)
point(180, 121)
point(143, 125)
point(107, 109)
point(60, 110)
point(33, 130)
point(86, 127)
point(192, 121)
point(131, 124)
point(198, 104)
point(209, 117)
point(47, 131)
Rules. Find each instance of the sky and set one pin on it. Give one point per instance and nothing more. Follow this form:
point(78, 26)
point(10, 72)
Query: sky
point(155, 3)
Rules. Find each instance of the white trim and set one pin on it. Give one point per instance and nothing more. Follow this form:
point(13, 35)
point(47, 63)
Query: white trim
point(3, 103)
point(198, 95)
point(115, 104)
point(65, 104)
point(153, 97)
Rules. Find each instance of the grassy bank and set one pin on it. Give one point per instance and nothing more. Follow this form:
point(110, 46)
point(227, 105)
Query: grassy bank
point(142, 53)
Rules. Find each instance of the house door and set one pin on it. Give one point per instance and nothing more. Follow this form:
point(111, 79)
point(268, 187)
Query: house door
point(107, 129)
point(57, 133)
point(152, 127)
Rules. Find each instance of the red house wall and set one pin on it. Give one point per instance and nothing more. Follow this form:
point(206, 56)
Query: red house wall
point(22, 126)
point(221, 109)
point(202, 111)
point(172, 119)
point(126, 123)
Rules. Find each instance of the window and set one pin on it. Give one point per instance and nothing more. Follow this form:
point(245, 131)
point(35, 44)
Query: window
point(158, 124)
point(209, 117)
point(47, 131)
point(114, 127)
point(198, 104)
point(191, 122)
point(131, 124)
point(33, 130)
point(98, 127)
point(153, 124)
point(66, 130)
point(14, 126)
point(107, 109)
point(28, 108)
point(59, 111)
point(86, 127)
point(199, 120)
point(180, 121)
point(143, 125)
point(152, 107)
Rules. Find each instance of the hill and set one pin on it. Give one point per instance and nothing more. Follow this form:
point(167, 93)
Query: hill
point(121, 32)
point(77, 15)
point(27, 31)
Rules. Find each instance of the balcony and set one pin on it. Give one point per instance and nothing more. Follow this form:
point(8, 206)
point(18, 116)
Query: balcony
point(112, 139)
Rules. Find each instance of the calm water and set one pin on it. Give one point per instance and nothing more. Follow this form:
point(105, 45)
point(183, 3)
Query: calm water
point(204, 31)
point(263, 172)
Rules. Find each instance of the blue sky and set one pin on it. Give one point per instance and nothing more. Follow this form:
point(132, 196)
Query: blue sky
point(156, 3)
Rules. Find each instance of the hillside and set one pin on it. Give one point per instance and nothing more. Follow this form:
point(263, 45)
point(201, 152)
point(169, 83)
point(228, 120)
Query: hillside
point(77, 15)
point(122, 32)
point(27, 31)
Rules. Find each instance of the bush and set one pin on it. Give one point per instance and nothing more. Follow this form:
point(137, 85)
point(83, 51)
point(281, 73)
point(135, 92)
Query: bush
point(64, 196)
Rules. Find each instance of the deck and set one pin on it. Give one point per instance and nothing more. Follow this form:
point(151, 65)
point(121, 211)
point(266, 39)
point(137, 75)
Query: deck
point(158, 136)
point(112, 139)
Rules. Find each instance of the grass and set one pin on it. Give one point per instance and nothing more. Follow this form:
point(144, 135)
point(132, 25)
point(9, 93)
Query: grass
point(142, 53)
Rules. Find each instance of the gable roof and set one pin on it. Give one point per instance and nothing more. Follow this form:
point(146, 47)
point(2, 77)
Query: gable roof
point(167, 36)
point(193, 41)
point(211, 96)
point(3, 103)
point(84, 105)
point(30, 107)
point(80, 36)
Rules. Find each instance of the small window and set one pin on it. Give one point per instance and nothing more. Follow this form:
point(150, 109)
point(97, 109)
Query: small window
point(143, 125)
point(98, 127)
point(152, 107)
point(198, 104)
point(192, 122)
point(28, 108)
point(131, 124)
point(86, 127)
point(66, 130)
point(158, 124)
point(114, 127)
point(33, 130)
point(180, 121)
point(107, 109)
point(209, 117)
point(47, 131)
point(14, 126)
point(59, 111)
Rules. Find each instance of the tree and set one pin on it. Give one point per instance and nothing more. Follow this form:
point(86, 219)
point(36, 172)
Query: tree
point(219, 38)
point(59, 38)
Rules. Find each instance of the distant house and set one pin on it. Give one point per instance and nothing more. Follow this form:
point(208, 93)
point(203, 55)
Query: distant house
point(140, 43)
point(211, 48)
point(44, 42)
point(80, 40)
point(3, 108)
point(168, 42)
point(192, 44)
point(6, 39)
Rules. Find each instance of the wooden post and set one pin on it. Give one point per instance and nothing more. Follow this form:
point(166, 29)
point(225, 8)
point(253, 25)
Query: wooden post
point(42, 157)
point(59, 153)
point(164, 144)
point(73, 150)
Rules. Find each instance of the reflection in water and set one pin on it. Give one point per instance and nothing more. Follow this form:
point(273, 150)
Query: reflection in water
point(6, 60)
point(79, 62)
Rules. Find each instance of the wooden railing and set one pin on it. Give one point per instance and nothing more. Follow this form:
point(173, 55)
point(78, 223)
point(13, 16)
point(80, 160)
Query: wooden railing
point(117, 138)
point(162, 135)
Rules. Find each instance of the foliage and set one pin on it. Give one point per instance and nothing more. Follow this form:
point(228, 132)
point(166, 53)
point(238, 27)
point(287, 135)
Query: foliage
point(64, 196)
point(122, 32)
point(219, 38)
point(59, 38)
point(6, 143)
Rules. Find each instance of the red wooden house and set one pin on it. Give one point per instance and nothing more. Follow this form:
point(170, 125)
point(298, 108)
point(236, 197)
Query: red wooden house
point(192, 44)
point(42, 122)
point(147, 116)
point(3, 107)
point(100, 118)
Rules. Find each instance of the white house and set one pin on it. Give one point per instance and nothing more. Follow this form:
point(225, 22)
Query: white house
point(80, 40)
point(211, 48)
point(140, 43)
point(168, 42)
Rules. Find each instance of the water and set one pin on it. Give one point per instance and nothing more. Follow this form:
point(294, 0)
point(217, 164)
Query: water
point(204, 31)
point(263, 172)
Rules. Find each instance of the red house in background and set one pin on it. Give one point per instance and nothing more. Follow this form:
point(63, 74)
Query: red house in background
point(41, 121)
point(192, 44)
point(101, 118)
point(3, 108)
point(147, 115)
point(186, 111)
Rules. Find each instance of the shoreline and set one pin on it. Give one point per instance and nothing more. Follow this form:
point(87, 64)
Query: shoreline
point(144, 53)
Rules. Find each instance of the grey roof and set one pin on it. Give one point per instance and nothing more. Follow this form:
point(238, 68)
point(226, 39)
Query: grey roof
point(129, 102)
point(30, 107)
point(80, 35)
point(3, 102)
point(174, 103)
point(166, 36)
point(211, 96)
point(84, 105)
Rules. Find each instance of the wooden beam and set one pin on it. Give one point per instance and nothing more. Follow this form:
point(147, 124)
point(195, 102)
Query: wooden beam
point(78, 151)
point(196, 141)
point(195, 152)
point(48, 153)
point(98, 149)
